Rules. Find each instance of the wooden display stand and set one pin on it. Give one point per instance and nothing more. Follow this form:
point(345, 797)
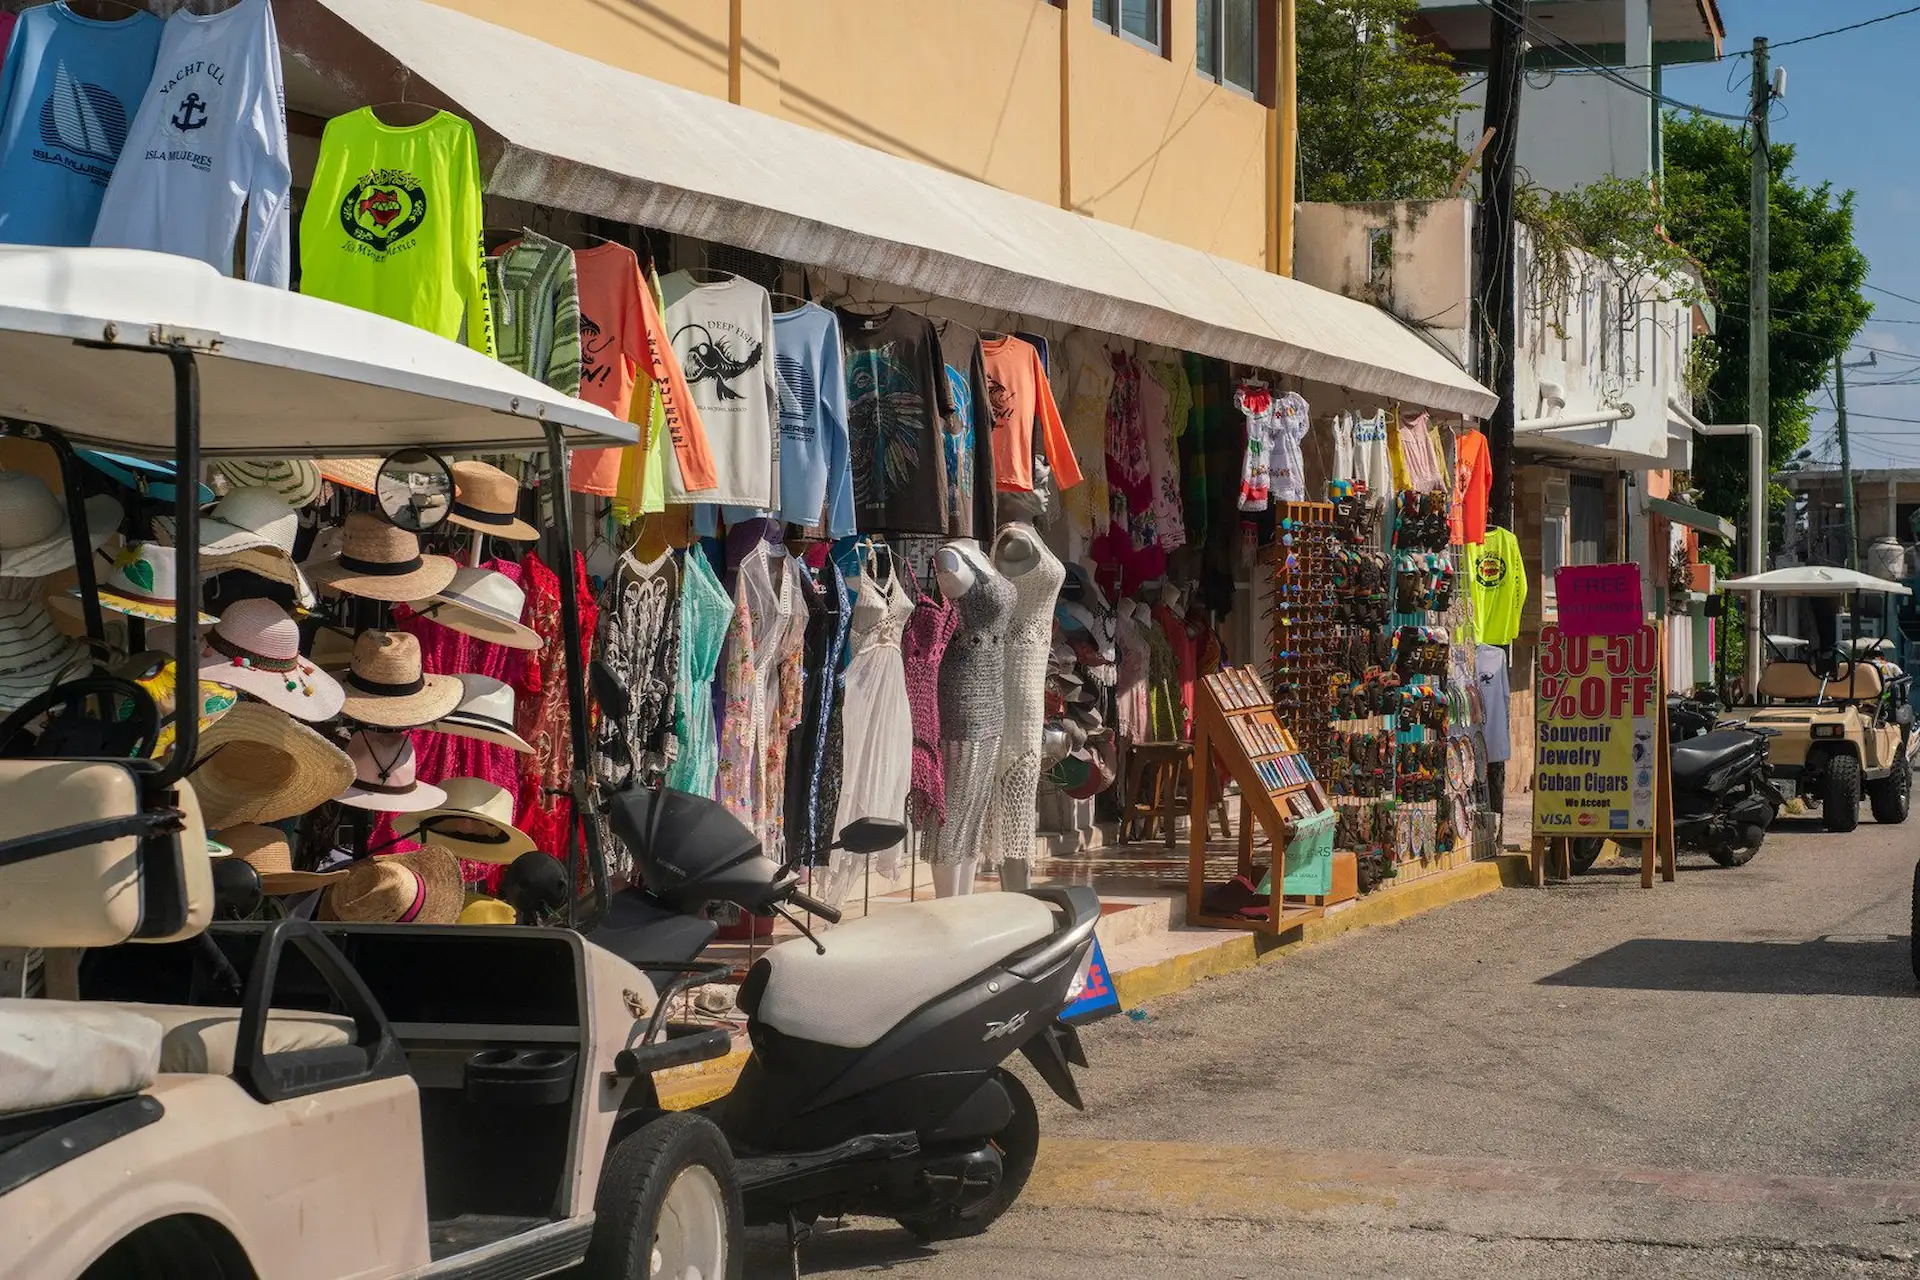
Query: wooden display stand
point(1233, 719)
point(1656, 847)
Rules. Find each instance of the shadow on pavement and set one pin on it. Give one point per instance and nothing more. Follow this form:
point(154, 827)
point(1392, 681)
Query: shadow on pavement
point(1867, 966)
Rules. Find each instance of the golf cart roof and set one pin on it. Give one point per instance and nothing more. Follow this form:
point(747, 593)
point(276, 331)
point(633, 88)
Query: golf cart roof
point(281, 374)
point(1814, 580)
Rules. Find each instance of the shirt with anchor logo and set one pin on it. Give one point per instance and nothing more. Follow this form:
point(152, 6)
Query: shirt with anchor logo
point(208, 139)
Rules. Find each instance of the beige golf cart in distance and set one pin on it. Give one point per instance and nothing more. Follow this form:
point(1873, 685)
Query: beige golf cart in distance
point(297, 1101)
point(1840, 718)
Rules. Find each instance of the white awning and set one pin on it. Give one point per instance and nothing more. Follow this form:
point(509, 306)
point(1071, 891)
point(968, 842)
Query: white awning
point(696, 166)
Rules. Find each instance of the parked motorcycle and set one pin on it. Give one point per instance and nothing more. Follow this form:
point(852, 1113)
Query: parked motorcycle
point(1723, 798)
point(877, 1082)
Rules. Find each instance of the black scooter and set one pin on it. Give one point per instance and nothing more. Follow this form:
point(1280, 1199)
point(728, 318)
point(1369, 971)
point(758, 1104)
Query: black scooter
point(876, 1084)
point(1723, 797)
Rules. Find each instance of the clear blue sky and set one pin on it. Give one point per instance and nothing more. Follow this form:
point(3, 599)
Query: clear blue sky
point(1850, 109)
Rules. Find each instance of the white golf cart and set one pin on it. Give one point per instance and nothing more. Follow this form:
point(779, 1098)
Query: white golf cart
point(295, 1100)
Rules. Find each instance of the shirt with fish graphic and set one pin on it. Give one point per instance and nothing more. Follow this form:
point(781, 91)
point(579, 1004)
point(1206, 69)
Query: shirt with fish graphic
point(722, 335)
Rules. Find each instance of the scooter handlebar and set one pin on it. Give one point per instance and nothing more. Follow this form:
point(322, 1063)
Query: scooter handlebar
point(814, 906)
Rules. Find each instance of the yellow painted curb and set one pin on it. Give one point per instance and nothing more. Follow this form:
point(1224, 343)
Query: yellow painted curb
point(1234, 951)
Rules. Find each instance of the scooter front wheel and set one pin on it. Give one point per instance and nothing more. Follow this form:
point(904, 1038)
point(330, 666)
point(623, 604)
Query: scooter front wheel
point(1018, 1142)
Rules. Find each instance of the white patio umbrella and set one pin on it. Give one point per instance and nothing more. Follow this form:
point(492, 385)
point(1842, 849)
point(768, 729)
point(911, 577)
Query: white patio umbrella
point(1814, 580)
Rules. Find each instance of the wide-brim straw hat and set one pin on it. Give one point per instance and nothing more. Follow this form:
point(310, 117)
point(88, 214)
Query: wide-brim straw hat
point(381, 561)
point(34, 652)
point(386, 688)
point(255, 648)
point(488, 807)
point(296, 480)
point(259, 764)
point(269, 563)
point(267, 851)
point(139, 584)
point(383, 775)
point(487, 500)
point(421, 887)
point(485, 714)
point(361, 474)
point(35, 539)
point(484, 604)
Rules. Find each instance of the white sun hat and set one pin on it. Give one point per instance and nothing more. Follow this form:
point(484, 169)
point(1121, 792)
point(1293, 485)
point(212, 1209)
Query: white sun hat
point(485, 714)
point(255, 648)
point(484, 604)
point(34, 538)
point(33, 652)
point(247, 519)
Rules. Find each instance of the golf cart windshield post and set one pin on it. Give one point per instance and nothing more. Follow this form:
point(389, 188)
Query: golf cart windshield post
point(579, 780)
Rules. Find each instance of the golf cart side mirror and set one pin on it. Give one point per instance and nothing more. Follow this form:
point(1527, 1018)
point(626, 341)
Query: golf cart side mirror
point(415, 490)
point(237, 892)
point(872, 835)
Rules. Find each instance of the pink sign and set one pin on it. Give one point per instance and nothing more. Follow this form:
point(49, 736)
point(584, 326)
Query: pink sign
point(1598, 599)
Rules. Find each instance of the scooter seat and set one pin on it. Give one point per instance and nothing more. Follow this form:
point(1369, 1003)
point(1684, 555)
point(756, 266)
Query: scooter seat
point(1698, 757)
point(879, 969)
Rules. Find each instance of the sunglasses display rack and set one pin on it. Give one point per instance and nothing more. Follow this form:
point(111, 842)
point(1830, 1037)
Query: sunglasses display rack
point(1303, 632)
point(1234, 718)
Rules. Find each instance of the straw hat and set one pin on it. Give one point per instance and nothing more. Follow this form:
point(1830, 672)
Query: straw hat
point(34, 538)
point(266, 850)
point(33, 652)
point(381, 561)
point(475, 822)
point(149, 479)
point(485, 713)
point(480, 909)
point(384, 778)
point(140, 585)
point(484, 604)
point(488, 499)
point(255, 647)
point(352, 473)
point(385, 687)
point(253, 518)
point(257, 764)
point(422, 887)
point(296, 480)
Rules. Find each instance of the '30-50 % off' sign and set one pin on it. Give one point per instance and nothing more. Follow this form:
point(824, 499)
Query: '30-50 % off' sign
point(1596, 714)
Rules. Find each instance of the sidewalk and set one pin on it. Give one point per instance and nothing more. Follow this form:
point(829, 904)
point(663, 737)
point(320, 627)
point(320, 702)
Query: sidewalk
point(1151, 951)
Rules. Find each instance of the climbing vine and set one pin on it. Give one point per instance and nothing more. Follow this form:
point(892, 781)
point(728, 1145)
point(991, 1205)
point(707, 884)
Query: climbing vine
point(1612, 225)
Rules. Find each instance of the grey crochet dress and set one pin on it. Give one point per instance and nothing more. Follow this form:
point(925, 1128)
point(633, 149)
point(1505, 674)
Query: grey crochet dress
point(972, 702)
point(1036, 574)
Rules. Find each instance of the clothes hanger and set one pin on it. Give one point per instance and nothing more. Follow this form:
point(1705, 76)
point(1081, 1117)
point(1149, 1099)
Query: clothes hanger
point(121, 10)
point(382, 111)
point(797, 301)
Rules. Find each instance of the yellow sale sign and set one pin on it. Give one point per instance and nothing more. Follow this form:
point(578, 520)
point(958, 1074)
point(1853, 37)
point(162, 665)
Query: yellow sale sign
point(1596, 728)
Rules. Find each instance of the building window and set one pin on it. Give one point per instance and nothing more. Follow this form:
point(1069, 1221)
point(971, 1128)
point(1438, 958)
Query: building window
point(1137, 20)
point(1227, 48)
point(1587, 514)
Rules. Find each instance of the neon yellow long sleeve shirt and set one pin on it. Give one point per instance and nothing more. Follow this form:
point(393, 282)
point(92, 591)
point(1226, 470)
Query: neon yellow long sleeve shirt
point(393, 225)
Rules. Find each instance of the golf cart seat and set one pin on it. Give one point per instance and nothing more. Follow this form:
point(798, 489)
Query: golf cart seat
point(123, 889)
point(879, 969)
point(1796, 682)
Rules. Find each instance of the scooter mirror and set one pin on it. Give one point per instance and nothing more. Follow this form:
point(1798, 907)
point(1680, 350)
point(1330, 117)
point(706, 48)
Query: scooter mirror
point(415, 490)
point(236, 889)
point(534, 884)
point(872, 835)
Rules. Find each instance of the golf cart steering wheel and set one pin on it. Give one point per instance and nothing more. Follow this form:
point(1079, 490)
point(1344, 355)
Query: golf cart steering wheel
point(1827, 663)
point(76, 731)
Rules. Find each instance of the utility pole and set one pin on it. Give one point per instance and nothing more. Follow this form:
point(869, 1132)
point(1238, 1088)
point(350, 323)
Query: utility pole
point(1840, 367)
point(1758, 396)
point(1496, 284)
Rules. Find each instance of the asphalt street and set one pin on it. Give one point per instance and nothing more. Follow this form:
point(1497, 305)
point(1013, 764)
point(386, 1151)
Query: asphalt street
point(1716, 1077)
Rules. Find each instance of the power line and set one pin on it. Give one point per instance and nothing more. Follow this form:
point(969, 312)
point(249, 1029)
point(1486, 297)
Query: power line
point(1840, 31)
point(1891, 294)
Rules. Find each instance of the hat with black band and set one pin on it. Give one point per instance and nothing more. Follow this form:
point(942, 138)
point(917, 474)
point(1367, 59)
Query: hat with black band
point(386, 688)
point(381, 561)
point(486, 499)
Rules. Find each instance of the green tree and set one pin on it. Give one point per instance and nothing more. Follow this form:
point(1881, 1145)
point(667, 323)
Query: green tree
point(1376, 104)
point(1814, 298)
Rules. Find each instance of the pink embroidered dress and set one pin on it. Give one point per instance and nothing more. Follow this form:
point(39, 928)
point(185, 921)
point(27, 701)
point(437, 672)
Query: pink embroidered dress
point(923, 644)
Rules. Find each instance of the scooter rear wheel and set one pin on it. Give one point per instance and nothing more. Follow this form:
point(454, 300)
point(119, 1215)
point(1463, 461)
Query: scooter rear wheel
point(1018, 1143)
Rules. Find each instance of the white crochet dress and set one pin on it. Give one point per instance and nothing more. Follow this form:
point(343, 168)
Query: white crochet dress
point(1036, 574)
point(972, 715)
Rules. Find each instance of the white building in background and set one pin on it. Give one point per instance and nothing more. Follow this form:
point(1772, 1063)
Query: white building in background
point(1576, 125)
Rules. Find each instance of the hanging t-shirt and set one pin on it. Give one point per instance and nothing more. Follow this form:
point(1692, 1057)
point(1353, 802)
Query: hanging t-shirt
point(392, 224)
point(1370, 457)
point(210, 138)
point(816, 477)
point(68, 87)
point(622, 335)
point(969, 434)
point(536, 310)
point(898, 404)
point(722, 335)
point(1022, 400)
point(6, 34)
point(1472, 487)
point(1499, 587)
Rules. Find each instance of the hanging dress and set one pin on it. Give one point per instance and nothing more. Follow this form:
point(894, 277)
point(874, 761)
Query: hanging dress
point(972, 698)
point(763, 639)
point(544, 810)
point(705, 612)
point(814, 762)
point(638, 640)
point(924, 644)
point(1036, 586)
point(877, 760)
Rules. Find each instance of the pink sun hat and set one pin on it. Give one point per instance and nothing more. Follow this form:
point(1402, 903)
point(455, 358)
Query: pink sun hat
point(255, 648)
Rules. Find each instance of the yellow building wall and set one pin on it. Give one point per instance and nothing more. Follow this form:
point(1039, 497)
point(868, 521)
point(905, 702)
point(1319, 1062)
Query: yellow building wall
point(970, 86)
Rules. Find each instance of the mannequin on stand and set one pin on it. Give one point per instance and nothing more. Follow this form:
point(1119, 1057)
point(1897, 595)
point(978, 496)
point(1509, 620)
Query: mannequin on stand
point(972, 704)
point(1036, 574)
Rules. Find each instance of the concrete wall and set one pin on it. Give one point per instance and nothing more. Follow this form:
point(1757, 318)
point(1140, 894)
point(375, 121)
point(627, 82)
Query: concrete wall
point(971, 86)
point(1574, 127)
point(1412, 258)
